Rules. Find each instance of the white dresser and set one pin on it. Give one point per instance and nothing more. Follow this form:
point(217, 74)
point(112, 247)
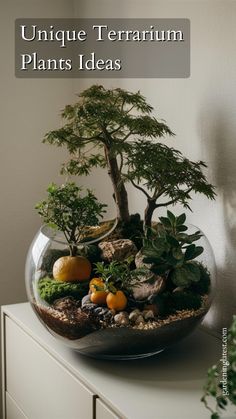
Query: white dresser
point(43, 379)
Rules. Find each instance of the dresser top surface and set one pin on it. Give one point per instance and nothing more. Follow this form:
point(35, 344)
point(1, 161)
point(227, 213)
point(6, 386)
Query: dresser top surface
point(166, 386)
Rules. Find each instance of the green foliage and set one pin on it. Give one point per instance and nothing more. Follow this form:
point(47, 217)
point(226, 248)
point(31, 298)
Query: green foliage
point(116, 275)
point(203, 285)
point(171, 250)
point(180, 300)
point(97, 131)
point(165, 173)
point(103, 116)
point(50, 289)
point(70, 212)
point(214, 387)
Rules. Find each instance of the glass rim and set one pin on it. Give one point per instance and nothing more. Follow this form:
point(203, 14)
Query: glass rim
point(52, 234)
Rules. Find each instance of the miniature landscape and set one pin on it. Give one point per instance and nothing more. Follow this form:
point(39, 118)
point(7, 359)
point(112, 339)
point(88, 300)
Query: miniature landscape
point(144, 274)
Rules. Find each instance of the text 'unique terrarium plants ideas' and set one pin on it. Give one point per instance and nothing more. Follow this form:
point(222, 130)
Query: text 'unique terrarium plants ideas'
point(145, 276)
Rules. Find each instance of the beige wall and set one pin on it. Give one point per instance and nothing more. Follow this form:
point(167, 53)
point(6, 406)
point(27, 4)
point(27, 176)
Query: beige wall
point(28, 108)
point(201, 111)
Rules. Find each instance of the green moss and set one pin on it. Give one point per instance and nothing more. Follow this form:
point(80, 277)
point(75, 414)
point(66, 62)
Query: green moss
point(51, 289)
point(180, 300)
point(203, 285)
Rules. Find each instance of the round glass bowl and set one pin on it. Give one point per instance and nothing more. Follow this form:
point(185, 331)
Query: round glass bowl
point(66, 311)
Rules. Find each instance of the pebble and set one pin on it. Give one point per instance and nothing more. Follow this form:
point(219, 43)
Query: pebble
point(134, 315)
point(140, 319)
point(90, 306)
point(122, 318)
point(85, 300)
point(148, 314)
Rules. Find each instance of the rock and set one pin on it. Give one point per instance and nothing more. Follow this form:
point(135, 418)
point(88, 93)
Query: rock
point(89, 307)
point(134, 315)
point(139, 263)
point(117, 250)
point(85, 300)
point(153, 307)
point(122, 318)
point(139, 320)
point(148, 314)
point(147, 285)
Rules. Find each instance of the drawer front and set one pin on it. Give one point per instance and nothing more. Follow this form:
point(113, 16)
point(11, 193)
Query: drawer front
point(12, 410)
point(103, 412)
point(41, 387)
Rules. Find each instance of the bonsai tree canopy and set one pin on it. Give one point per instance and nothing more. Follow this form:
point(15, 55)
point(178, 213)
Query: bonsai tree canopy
point(70, 212)
point(97, 132)
point(165, 176)
point(115, 129)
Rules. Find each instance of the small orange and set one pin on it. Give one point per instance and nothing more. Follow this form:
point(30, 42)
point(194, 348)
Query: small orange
point(117, 301)
point(96, 282)
point(98, 297)
point(72, 268)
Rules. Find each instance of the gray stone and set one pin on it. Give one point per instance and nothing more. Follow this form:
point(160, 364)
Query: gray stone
point(139, 320)
point(85, 300)
point(147, 285)
point(134, 315)
point(117, 250)
point(148, 314)
point(122, 318)
point(139, 263)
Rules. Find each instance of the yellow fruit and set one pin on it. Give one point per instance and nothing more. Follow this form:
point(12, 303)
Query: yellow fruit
point(117, 301)
point(98, 297)
point(72, 268)
point(96, 282)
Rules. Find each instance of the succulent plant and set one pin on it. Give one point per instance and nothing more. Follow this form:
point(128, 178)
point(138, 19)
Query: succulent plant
point(171, 250)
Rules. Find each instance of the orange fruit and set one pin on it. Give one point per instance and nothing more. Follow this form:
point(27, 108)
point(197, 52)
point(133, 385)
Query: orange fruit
point(72, 268)
point(98, 297)
point(117, 301)
point(96, 282)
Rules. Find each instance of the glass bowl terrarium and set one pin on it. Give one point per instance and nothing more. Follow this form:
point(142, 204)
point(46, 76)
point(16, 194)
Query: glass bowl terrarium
point(111, 297)
point(125, 287)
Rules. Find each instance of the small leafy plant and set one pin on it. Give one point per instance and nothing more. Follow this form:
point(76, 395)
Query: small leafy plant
point(116, 275)
point(170, 250)
point(214, 387)
point(70, 212)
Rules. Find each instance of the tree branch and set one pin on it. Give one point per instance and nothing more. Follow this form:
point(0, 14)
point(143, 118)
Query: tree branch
point(140, 188)
point(173, 201)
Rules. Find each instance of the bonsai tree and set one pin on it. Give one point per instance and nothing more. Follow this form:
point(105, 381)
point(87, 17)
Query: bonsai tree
point(115, 129)
point(215, 387)
point(164, 176)
point(70, 212)
point(97, 132)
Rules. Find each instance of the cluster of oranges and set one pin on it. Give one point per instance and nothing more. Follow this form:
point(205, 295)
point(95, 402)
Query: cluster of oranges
point(78, 268)
point(100, 295)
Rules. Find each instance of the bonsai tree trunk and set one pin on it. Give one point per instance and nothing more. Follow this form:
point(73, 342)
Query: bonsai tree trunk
point(120, 193)
point(150, 208)
point(72, 241)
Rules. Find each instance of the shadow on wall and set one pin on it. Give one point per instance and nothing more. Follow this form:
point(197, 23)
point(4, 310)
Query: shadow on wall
point(218, 131)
